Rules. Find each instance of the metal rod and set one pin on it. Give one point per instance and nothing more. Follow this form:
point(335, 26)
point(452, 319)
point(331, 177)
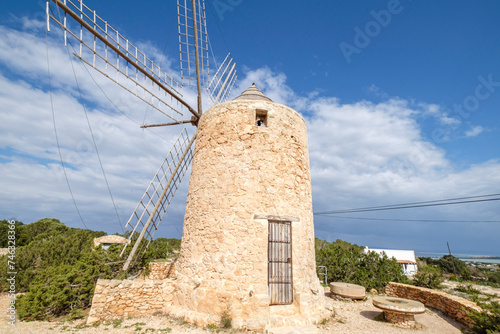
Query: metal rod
point(197, 58)
point(48, 17)
point(165, 124)
point(137, 84)
point(123, 55)
point(224, 84)
point(158, 203)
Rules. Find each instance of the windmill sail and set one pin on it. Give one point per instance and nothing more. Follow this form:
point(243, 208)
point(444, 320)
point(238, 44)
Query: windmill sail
point(106, 50)
point(188, 43)
point(155, 201)
point(223, 80)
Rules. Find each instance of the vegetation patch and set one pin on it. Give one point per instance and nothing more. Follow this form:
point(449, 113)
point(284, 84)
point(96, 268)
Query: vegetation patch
point(488, 320)
point(346, 262)
point(428, 277)
point(226, 319)
point(57, 267)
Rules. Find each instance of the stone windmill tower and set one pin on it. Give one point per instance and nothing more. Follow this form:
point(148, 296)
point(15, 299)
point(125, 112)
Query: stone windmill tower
point(248, 240)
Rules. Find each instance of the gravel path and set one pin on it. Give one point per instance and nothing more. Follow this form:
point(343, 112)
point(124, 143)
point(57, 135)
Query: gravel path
point(350, 317)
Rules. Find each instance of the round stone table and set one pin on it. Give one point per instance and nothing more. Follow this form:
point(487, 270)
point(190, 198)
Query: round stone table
point(399, 311)
point(348, 290)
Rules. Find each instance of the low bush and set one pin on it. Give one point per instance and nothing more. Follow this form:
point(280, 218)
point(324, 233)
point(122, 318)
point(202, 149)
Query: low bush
point(348, 263)
point(452, 265)
point(428, 277)
point(468, 289)
point(57, 268)
point(488, 320)
point(494, 277)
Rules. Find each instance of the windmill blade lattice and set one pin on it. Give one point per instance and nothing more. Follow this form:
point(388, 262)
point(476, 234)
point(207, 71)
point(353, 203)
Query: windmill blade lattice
point(106, 50)
point(223, 80)
point(155, 201)
point(187, 42)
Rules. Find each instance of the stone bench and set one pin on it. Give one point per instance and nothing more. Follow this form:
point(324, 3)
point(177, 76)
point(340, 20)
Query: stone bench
point(399, 311)
point(347, 290)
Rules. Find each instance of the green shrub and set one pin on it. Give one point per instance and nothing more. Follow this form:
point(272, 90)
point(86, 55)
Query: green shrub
point(162, 248)
point(488, 320)
point(57, 267)
point(452, 265)
point(428, 277)
point(468, 289)
point(427, 261)
point(494, 277)
point(226, 319)
point(348, 263)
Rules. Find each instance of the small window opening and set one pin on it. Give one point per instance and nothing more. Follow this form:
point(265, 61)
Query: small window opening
point(261, 118)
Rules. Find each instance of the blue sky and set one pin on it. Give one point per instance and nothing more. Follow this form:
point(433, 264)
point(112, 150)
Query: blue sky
point(401, 99)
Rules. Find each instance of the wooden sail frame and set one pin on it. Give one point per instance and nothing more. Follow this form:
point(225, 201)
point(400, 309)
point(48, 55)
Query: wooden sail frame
point(115, 57)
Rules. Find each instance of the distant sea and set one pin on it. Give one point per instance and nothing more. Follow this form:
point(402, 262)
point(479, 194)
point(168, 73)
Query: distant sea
point(464, 257)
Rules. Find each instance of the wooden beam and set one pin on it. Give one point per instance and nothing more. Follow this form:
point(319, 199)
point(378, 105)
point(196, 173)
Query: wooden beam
point(123, 55)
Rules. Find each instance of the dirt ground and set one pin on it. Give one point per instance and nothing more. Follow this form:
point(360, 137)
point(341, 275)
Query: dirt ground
point(350, 317)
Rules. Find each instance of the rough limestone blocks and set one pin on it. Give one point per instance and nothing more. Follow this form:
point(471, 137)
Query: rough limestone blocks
point(161, 270)
point(456, 307)
point(348, 290)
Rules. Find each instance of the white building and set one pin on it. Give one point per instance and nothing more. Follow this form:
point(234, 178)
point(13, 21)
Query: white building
point(405, 257)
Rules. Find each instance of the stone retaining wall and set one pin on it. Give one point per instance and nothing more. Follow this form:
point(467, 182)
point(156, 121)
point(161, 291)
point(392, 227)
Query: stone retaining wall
point(161, 270)
point(453, 306)
point(118, 299)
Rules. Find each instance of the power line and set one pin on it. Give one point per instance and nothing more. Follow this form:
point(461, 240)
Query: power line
point(93, 141)
point(91, 131)
point(450, 201)
point(56, 135)
point(416, 220)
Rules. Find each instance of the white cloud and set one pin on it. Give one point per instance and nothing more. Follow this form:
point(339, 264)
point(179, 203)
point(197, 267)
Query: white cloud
point(366, 154)
point(361, 154)
point(474, 131)
point(377, 92)
point(29, 158)
point(435, 111)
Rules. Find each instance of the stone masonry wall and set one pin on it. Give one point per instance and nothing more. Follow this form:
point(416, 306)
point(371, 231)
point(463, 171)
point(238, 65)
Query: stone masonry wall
point(161, 270)
point(118, 299)
point(453, 306)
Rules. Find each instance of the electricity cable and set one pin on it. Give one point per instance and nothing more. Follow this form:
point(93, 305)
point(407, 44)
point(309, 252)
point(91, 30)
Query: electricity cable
point(450, 201)
point(159, 65)
point(218, 27)
point(92, 134)
point(56, 135)
point(415, 220)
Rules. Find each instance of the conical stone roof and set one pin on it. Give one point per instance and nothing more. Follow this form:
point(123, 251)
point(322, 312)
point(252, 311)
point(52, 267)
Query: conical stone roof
point(253, 93)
